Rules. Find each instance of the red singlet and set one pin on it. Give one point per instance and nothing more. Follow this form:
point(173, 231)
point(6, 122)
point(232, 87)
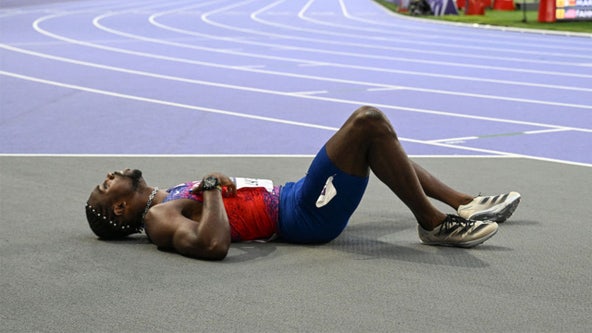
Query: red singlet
point(252, 213)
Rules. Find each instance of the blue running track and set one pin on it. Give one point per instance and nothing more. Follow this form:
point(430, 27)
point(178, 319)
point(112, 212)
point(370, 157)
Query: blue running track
point(279, 77)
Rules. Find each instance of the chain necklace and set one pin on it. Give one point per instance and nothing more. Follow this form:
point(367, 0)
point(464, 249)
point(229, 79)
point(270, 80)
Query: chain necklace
point(150, 199)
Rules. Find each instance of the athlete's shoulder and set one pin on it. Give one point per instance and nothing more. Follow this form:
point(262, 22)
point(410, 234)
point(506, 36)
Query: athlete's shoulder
point(163, 220)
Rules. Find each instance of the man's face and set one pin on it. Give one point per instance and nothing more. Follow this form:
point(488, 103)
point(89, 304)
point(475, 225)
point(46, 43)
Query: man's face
point(115, 186)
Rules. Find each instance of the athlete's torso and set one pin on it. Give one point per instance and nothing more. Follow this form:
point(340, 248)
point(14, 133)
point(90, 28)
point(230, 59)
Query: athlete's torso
point(252, 213)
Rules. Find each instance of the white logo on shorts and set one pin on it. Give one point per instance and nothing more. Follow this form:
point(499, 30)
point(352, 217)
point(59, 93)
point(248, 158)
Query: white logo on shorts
point(328, 193)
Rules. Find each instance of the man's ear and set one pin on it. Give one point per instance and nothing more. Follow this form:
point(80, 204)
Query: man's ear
point(119, 208)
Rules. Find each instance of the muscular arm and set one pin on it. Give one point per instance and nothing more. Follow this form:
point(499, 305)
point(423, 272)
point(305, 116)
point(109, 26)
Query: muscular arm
point(190, 228)
point(210, 238)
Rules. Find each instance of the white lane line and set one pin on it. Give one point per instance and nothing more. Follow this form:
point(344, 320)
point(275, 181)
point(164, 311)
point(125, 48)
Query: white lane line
point(317, 92)
point(341, 65)
point(206, 18)
point(270, 119)
point(37, 23)
point(230, 113)
point(229, 155)
point(314, 64)
point(273, 92)
point(528, 59)
point(387, 88)
point(469, 138)
point(165, 103)
point(547, 131)
point(249, 67)
point(383, 70)
point(366, 103)
point(456, 140)
point(180, 155)
point(153, 21)
point(375, 35)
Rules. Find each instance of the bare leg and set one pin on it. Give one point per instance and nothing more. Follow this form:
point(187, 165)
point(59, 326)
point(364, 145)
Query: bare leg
point(367, 141)
point(434, 188)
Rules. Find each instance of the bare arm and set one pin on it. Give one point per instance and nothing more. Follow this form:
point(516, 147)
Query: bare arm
point(210, 238)
point(198, 230)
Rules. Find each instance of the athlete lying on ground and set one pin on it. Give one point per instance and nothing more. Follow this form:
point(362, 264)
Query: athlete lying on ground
point(200, 219)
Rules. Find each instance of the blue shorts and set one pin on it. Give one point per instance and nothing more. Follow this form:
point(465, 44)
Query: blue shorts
point(300, 218)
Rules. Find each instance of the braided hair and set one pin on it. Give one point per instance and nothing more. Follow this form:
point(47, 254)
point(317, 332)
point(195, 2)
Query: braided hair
point(105, 225)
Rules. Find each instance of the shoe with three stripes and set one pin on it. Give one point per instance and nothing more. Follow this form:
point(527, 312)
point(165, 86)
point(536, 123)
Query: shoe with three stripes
point(457, 231)
point(496, 208)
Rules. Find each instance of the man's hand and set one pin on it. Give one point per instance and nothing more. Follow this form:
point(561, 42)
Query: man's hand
point(228, 186)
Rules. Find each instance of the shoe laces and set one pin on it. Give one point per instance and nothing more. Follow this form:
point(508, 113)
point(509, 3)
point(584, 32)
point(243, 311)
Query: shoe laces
point(453, 221)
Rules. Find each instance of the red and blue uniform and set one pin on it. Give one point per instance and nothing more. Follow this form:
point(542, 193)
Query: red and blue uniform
point(314, 209)
point(252, 213)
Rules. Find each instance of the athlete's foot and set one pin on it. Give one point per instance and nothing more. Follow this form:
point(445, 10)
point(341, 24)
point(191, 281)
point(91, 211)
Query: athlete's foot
point(492, 208)
point(457, 231)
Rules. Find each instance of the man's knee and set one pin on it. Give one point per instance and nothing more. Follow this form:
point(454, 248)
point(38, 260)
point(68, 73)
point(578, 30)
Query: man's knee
point(372, 119)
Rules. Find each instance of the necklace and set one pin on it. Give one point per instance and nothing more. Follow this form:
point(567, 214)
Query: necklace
point(150, 198)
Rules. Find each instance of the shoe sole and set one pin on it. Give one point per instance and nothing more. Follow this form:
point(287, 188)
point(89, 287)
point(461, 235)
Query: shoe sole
point(496, 215)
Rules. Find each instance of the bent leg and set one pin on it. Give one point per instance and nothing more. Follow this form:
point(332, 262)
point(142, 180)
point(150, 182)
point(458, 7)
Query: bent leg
point(435, 188)
point(367, 141)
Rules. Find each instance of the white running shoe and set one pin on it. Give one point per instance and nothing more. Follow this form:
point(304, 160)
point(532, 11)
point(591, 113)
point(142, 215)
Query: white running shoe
point(492, 208)
point(456, 231)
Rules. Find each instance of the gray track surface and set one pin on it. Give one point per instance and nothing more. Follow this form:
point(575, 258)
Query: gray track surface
point(533, 276)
